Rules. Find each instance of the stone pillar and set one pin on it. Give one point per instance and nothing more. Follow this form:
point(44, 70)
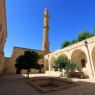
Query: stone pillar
point(89, 59)
point(49, 62)
point(45, 45)
point(49, 65)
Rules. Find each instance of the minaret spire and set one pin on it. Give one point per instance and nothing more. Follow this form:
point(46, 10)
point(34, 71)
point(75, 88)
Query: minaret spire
point(45, 45)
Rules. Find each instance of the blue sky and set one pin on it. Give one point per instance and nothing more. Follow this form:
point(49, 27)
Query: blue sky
point(67, 19)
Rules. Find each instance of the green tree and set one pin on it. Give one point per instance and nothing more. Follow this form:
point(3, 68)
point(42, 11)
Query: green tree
point(19, 63)
point(65, 44)
point(64, 63)
point(60, 62)
point(83, 36)
point(55, 66)
point(71, 67)
point(73, 42)
point(27, 61)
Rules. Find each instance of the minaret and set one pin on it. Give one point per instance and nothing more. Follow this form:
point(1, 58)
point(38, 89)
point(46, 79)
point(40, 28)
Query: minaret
point(45, 45)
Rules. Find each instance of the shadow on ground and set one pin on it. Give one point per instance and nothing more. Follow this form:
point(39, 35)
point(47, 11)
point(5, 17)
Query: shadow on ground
point(16, 85)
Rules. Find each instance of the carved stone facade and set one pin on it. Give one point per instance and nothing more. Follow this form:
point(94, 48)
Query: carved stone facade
point(3, 33)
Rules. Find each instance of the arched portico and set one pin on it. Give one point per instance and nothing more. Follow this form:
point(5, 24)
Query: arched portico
point(79, 57)
point(81, 53)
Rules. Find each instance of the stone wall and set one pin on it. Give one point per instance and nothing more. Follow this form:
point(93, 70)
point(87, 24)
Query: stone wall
point(17, 51)
point(9, 67)
point(3, 34)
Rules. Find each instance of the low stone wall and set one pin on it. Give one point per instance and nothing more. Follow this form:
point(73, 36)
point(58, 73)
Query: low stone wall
point(33, 71)
point(53, 73)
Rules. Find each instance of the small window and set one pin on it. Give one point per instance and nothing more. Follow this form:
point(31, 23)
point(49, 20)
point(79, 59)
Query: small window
point(83, 63)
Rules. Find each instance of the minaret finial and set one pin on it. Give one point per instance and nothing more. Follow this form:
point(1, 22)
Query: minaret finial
point(45, 11)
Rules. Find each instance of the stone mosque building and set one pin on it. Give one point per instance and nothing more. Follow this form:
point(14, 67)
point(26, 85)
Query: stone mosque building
point(82, 53)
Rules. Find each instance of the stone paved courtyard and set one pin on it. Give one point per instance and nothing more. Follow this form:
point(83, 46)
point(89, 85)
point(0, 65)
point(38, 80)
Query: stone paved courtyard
point(16, 85)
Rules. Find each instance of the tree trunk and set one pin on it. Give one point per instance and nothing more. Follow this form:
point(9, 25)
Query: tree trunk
point(18, 71)
point(28, 71)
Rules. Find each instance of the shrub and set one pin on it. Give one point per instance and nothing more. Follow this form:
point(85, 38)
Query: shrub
point(70, 67)
point(81, 75)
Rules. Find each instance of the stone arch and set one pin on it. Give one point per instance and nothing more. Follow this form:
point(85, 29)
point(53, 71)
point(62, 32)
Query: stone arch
point(63, 55)
point(93, 57)
point(79, 57)
point(52, 61)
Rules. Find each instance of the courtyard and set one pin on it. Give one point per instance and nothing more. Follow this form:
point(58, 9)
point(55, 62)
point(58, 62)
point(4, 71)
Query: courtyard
point(17, 85)
point(64, 65)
